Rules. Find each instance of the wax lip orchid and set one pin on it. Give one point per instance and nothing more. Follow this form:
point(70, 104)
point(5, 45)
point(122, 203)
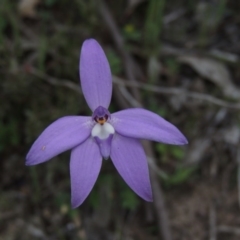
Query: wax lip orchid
point(103, 135)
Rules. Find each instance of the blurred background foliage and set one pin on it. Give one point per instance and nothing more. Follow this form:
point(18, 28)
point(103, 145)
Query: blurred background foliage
point(182, 46)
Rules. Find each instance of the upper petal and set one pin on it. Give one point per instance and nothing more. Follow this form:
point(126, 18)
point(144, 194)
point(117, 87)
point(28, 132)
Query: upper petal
point(130, 160)
point(95, 75)
point(85, 165)
point(141, 123)
point(61, 135)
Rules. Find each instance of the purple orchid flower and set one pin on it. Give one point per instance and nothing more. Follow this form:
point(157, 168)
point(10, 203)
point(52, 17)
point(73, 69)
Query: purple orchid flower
point(103, 135)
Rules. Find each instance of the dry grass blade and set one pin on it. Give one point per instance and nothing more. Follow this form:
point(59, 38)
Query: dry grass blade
point(27, 8)
point(229, 229)
point(214, 71)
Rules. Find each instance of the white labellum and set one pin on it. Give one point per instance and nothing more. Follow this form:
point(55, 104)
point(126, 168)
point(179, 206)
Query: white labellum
point(102, 131)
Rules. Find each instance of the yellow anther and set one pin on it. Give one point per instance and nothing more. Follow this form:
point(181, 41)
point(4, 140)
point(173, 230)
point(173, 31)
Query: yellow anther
point(101, 121)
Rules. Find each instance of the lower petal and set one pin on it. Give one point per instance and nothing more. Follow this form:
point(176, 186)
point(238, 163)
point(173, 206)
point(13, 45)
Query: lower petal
point(130, 160)
point(85, 165)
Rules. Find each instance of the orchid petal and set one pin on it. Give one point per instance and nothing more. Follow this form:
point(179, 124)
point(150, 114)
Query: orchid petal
point(141, 123)
point(85, 165)
point(130, 160)
point(95, 75)
point(60, 136)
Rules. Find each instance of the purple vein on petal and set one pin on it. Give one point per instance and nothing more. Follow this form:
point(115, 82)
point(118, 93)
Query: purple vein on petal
point(143, 124)
point(62, 135)
point(95, 75)
point(130, 160)
point(85, 165)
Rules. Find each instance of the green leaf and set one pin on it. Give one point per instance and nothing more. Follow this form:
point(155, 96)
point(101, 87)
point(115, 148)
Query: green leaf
point(180, 176)
point(177, 152)
point(129, 199)
point(131, 33)
point(50, 3)
point(9, 135)
point(114, 61)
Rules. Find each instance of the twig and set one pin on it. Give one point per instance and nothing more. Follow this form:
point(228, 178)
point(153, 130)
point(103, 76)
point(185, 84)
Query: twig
point(117, 95)
point(177, 91)
point(212, 223)
point(168, 49)
point(131, 100)
point(5, 216)
point(229, 229)
point(55, 81)
point(238, 174)
point(173, 16)
point(155, 167)
point(127, 59)
point(147, 87)
point(159, 204)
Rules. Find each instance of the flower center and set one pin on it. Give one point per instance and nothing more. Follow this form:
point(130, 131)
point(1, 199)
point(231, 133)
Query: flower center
point(102, 131)
point(101, 115)
point(101, 120)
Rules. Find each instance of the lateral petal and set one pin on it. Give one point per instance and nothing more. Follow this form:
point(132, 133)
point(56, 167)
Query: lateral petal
point(62, 135)
point(85, 165)
point(95, 75)
point(130, 160)
point(143, 124)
